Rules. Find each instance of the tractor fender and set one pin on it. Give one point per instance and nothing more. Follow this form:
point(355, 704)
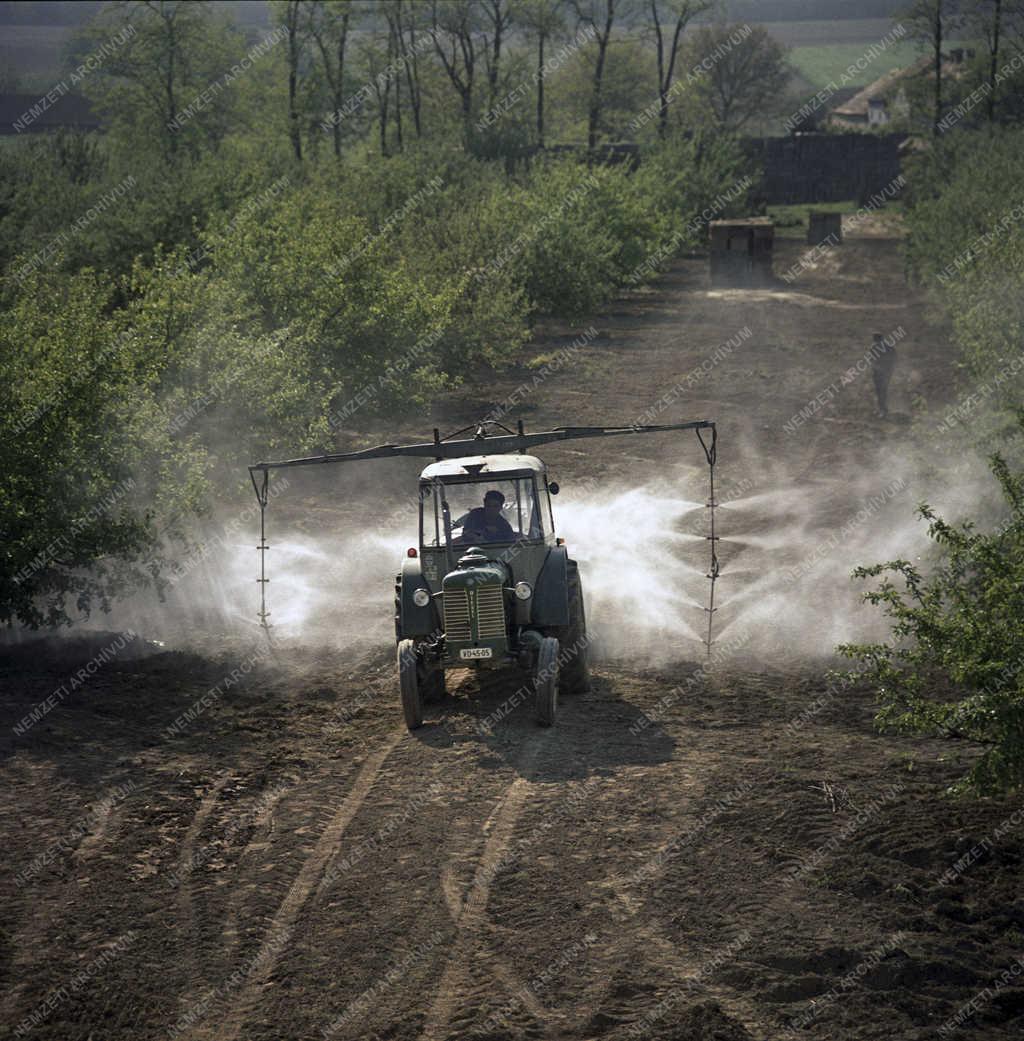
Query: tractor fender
point(413, 620)
point(550, 606)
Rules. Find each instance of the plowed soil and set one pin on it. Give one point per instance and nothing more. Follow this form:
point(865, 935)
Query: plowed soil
point(694, 852)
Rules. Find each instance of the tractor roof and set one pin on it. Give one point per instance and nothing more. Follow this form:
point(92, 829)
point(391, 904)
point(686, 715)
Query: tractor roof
point(469, 465)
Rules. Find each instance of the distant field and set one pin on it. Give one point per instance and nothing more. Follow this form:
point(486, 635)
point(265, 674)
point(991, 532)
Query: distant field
point(33, 53)
point(810, 34)
point(826, 63)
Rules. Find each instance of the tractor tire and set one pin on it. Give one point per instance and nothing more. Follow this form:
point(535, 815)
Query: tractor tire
point(575, 670)
point(545, 682)
point(409, 684)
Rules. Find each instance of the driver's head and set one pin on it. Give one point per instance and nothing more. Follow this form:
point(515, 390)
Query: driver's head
point(493, 502)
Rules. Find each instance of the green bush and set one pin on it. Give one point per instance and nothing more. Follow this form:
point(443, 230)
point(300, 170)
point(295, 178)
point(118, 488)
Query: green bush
point(955, 662)
point(966, 215)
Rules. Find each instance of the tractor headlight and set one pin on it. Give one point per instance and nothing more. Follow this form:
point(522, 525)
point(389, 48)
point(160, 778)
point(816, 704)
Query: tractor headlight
point(421, 597)
point(523, 590)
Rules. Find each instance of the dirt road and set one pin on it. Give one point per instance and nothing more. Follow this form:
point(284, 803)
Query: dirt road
point(245, 843)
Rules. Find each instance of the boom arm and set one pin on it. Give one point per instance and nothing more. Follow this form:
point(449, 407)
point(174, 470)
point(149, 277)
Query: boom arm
point(480, 444)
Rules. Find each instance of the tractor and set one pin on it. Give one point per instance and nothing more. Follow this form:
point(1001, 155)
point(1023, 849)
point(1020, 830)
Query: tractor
point(489, 584)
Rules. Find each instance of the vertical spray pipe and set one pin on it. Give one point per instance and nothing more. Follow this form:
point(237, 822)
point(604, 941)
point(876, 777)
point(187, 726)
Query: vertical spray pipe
point(711, 453)
point(262, 491)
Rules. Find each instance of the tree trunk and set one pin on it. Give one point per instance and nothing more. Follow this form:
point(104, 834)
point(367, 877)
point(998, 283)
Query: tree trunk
point(412, 77)
point(936, 129)
point(172, 102)
point(292, 26)
point(662, 89)
point(594, 116)
point(540, 90)
point(398, 111)
point(994, 64)
point(385, 99)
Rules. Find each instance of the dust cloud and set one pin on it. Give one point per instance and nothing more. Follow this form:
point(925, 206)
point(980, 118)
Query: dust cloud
point(785, 551)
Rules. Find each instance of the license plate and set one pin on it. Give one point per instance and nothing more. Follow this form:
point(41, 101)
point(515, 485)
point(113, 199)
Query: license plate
point(476, 652)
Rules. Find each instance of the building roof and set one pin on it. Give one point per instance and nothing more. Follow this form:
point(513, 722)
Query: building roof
point(857, 106)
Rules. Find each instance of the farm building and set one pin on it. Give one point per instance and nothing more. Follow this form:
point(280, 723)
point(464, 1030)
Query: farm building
point(888, 98)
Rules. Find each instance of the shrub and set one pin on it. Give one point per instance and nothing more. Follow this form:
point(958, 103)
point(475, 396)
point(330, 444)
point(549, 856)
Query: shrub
point(955, 662)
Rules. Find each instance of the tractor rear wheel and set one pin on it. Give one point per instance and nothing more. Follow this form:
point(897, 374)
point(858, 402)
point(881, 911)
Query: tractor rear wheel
point(545, 681)
point(575, 671)
point(409, 683)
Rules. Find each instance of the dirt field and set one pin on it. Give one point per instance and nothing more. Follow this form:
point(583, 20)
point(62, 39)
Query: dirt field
point(236, 841)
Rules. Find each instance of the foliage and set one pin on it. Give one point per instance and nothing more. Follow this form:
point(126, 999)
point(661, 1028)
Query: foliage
point(740, 69)
point(955, 662)
point(184, 292)
point(965, 214)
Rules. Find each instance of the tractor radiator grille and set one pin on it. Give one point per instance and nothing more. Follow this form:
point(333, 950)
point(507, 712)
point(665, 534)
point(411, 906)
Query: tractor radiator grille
point(456, 615)
point(490, 613)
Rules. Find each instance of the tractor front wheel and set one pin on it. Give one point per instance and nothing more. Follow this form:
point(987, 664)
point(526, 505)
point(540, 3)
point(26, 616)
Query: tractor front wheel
point(545, 681)
point(409, 683)
point(575, 671)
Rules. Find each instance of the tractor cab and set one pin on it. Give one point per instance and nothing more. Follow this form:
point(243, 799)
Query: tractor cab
point(494, 502)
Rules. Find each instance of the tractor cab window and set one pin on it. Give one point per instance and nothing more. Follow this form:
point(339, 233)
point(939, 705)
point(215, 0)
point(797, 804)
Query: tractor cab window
point(482, 511)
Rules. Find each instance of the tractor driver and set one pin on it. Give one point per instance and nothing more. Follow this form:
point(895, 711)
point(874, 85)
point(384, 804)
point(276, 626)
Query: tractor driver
point(485, 523)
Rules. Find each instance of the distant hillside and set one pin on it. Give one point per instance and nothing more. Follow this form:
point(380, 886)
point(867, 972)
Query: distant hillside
point(810, 10)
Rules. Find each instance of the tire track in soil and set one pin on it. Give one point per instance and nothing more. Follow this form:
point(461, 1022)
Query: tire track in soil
point(283, 923)
point(183, 869)
point(472, 913)
point(263, 828)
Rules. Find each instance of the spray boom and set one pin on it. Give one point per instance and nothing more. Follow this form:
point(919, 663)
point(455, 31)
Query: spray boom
point(484, 443)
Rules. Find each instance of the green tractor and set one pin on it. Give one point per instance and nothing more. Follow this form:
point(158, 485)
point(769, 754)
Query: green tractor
point(489, 585)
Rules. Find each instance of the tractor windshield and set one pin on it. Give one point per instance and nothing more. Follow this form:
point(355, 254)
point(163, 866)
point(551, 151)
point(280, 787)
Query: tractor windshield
point(482, 511)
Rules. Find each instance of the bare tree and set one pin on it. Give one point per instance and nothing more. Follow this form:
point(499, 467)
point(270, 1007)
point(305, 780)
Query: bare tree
point(328, 24)
point(290, 16)
point(740, 69)
point(452, 24)
point(998, 23)
point(932, 22)
point(392, 13)
point(169, 55)
point(406, 21)
point(599, 16)
point(544, 19)
point(499, 16)
point(662, 11)
point(376, 61)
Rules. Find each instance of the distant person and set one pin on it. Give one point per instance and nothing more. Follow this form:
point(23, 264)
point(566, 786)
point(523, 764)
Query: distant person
point(485, 523)
point(883, 361)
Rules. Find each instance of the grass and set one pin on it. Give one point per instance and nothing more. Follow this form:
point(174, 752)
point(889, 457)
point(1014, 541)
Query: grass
point(791, 221)
point(823, 64)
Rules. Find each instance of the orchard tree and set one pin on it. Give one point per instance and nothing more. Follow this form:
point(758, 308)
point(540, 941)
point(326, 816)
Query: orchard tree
point(160, 56)
point(740, 69)
point(543, 19)
point(662, 13)
point(598, 16)
point(328, 24)
point(932, 22)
